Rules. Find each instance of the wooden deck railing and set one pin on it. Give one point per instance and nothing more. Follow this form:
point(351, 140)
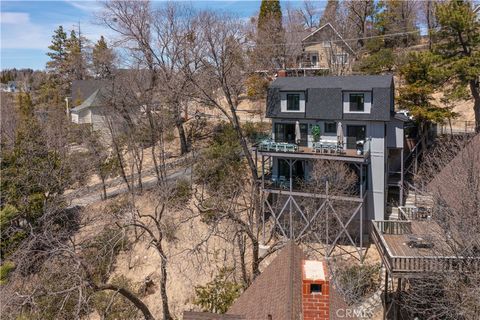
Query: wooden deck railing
point(393, 226)
point(414, 265)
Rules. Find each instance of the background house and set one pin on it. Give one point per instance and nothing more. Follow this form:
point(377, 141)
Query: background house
point(89, 98)
point(324, 49)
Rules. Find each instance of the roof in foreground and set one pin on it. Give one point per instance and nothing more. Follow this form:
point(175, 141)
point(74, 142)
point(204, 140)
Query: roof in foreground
point(352, 82)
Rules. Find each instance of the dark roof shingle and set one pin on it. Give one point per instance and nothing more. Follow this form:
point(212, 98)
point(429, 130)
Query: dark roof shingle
point(357, 82)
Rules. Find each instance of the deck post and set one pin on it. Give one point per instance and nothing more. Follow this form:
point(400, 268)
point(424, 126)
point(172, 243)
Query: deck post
point(401, 178)
point(385, 295)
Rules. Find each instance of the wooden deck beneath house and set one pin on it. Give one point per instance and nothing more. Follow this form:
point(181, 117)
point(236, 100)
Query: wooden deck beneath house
point(412, 248)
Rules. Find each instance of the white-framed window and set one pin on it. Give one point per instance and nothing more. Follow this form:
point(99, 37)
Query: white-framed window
point(326, 44)
point(293, 102)
point(340, 58)
point(357, 101)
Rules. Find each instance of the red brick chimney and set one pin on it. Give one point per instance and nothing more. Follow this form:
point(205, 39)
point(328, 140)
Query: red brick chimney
point(315, 295)
point(282, 73)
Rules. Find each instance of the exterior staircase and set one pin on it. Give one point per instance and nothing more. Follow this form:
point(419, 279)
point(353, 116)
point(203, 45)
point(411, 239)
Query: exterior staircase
point(415, 198)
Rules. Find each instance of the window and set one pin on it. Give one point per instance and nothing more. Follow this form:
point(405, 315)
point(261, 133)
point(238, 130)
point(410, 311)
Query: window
point(293, 102)
point(315, 288)
point(326, 44)
point(357, 102)
point(341, 58)
point(330, 127)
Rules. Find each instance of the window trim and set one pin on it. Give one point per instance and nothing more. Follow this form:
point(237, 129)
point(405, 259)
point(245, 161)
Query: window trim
point(298, 102)
point(350, 101)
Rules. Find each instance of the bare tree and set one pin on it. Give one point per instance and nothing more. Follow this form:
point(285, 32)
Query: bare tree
point(455, 188)
point(310, 14)
point(58, 272)
point(359, 12)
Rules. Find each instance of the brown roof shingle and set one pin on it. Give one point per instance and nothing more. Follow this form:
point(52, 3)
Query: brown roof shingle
point(277, 291)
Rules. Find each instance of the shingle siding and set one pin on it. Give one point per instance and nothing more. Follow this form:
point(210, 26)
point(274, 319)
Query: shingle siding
point(324, 97)
point(324, 103)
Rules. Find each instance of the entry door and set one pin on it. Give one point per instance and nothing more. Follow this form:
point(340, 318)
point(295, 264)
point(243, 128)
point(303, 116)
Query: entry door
point(355, 133)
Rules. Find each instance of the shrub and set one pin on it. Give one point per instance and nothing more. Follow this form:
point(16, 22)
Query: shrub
point(219, 294)
point(256, 131)
point(316, 133)
point(256, 86)
point(353, 282)
point(5, 270)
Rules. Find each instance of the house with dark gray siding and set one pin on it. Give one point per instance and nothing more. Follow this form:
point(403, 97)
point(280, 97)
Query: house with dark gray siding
point(339, 118)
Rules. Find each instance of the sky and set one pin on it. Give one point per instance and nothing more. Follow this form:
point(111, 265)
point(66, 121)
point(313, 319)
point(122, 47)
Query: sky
point(27, 27)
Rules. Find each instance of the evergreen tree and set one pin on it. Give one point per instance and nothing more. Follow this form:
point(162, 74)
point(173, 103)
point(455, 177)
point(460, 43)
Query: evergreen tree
point(396, 17)
point(421, 78)
point(75, 62)
point(270, 42)
point(67, 60)
point(269, 10)
point(457, 46)
point(102, 59)
point(58, 54)
point(31, 177)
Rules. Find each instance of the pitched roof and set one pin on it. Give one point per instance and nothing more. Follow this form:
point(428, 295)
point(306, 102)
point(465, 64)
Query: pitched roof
point(277, 291)
point(325, 26)
point(83, 89)
point(357, 82)
point(96, 99)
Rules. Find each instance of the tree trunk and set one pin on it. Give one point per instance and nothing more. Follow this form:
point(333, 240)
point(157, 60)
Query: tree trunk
point(182, 136)
point(130, 296)
point(104, 187)
point(163, 282)
point(474, 88)
point(241, 248)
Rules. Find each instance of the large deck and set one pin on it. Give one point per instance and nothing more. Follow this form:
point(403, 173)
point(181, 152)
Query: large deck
point(412, 248)
point(348, 155)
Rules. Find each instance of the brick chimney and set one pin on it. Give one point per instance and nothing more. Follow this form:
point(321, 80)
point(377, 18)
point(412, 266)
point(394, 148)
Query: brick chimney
point(315, 287)
point(282, 73)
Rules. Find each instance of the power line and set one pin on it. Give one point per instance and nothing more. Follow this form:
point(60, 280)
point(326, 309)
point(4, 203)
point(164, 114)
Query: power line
point(341, 40)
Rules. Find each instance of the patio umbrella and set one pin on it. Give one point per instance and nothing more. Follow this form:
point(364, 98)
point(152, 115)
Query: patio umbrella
point(340, 133)
point(297, 132)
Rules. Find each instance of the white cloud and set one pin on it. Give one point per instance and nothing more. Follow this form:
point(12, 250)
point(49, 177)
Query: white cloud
point(18, 32)
point(88, 6)
point(14, 17)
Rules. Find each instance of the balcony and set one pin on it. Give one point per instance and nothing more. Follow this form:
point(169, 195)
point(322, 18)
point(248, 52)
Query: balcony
point(412, 248)
point(328, 150)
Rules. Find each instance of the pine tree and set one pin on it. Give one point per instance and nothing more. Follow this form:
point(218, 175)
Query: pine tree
point(396, 17)
point(75, 62)
point(458, 50)
point(269, 10)
point(270, 42)
point(102, 59)
point(58, 53)
point(421, 78)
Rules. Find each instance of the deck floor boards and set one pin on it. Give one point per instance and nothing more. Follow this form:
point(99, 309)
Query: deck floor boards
point(398, 244)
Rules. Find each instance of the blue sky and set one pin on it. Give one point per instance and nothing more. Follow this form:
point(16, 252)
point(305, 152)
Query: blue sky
point(26, 27)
